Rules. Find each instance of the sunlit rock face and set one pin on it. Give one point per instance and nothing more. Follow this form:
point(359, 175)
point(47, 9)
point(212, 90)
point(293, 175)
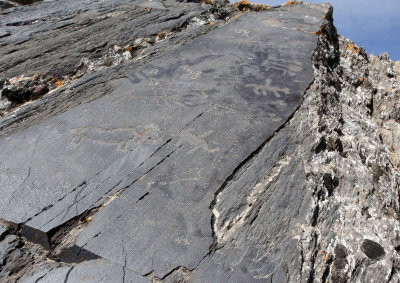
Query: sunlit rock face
point(194, 142)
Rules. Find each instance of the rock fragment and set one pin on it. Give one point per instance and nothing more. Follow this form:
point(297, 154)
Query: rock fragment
point(372, 249)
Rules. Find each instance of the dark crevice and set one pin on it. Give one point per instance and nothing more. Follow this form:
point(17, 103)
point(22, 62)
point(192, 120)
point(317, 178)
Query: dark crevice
point(314, 220)
point(255, 214)
point(311, 275)
point(156, 151)
point(393, 271)
point(182, 269)
point(327, 270)
point(40, 278)
point(194, 119)
point(370, 106)
point(143, 196)
point(68, 273)
point(124, 266)
point(301, 261)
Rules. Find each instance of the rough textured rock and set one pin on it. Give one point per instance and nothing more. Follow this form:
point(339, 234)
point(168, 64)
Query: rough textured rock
point(264, 150)
point(91, 36)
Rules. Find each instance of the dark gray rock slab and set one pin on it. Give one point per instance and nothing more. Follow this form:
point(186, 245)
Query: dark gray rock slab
point(153, 154)
point(170, 226)
point(86, 22)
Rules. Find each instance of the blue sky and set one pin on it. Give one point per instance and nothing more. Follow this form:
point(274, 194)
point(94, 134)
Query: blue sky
point(372, 24)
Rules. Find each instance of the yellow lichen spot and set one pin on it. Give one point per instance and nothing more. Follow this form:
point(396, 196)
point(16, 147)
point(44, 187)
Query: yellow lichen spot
point(353, 48)
point(325, 256)
point(389, 89)
point(244, 5)
point(211, 23)
point(147, 9)
point(260, 7)
point(57, 83)
point(161, 35)
point(86, 220)
point(290, 2)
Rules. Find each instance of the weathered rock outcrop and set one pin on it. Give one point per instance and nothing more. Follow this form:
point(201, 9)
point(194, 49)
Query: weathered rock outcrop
point(166, 141)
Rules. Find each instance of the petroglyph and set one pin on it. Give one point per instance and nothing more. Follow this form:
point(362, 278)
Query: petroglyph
point(194, 75)
point(120, 138)
point(198, 141)
point(242, 32)
point(267, 88)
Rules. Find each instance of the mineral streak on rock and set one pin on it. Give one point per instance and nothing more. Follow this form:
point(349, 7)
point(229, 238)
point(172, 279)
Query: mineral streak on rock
point(192, 142)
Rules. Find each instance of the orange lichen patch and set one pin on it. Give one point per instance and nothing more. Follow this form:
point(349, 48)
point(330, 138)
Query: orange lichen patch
point(260, 7)
point(211, 23)
point(389, 89)
point(206, 2)
point(353, 48)
point(86, 220)
point(128, 48)
point(244, 5)
point(57, 82)
point(290, 2)
point(361, 80)
point(161, 35)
